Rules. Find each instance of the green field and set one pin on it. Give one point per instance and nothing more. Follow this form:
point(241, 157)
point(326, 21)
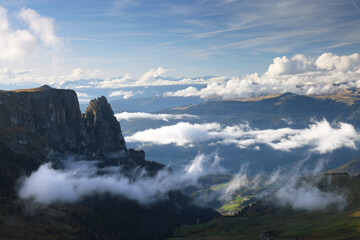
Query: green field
point(234, 205)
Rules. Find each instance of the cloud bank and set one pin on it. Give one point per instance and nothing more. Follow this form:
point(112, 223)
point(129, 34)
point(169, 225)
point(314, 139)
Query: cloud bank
point(319, 137)
point(80, 178)
point(160, 116)
point(327, 73)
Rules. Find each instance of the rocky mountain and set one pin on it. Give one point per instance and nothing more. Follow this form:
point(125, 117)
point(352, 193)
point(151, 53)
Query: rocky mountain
point(53, 115)
point(45, 125)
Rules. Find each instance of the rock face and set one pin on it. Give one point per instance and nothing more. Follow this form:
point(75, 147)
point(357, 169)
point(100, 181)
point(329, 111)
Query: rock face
point(52, 119)
point(103, 134)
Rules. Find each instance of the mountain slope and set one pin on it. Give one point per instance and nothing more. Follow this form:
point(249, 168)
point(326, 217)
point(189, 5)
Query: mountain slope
point(45, 125)
point(352, 168)
point(276, 110)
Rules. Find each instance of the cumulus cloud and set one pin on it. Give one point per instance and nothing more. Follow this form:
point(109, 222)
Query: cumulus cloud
point(160, 116)
point(14, 44)
point(41, 26)
point(330, 61)
point(297, 64)
point(125, 94)
point(152, 74)
point(80, 178)
point(327, 73)
point(319, 137)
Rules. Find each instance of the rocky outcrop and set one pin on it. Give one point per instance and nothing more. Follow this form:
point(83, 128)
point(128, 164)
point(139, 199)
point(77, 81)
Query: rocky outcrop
point(48, 116)
point(103, 134)
point(48, 122)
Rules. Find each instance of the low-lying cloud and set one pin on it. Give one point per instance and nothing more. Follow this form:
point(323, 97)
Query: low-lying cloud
point(180, 134)
point(297, 188)
point(320, 137)
point(127, 116)
point(80, 178)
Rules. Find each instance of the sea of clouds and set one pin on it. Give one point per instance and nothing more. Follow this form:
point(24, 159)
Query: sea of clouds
point(321, 137)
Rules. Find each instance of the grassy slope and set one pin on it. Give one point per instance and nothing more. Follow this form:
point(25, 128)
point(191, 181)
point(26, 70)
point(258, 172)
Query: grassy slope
point(286, 223)
point(352, 168)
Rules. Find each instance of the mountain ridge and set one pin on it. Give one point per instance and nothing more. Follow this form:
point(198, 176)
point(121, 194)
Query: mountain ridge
point(44, 125)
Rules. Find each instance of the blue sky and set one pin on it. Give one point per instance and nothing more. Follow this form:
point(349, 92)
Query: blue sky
point(112, 38)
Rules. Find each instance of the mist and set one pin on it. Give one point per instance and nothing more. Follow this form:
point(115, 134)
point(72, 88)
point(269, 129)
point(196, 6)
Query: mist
point(79, 179)
point(297, 187)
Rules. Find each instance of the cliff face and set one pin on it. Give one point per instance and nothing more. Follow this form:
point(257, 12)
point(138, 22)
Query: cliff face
point(52, 120)
point(103, 134)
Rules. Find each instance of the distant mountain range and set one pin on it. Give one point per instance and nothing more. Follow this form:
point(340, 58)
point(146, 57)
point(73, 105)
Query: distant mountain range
point(286, 110)
point(278, 110)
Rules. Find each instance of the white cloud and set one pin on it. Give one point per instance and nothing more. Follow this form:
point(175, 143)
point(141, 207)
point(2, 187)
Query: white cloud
point(161, 116)
point(180, 134)
point(288, 187)
point(41, 26)
point(329, 61)
point(125, 94)
point(80, 178)
point(328, 73)
point(187, 92)
point(319, 137)
point(297, 64)
point(305, 195)
point(83, 97)
point(14, 44)
point(152, 74)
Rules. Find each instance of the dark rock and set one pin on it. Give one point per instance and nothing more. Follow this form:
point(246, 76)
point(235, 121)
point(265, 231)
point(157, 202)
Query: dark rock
point(103, 134)
point(47, 123)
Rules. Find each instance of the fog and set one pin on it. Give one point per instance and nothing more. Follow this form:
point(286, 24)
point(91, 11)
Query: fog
point(80, 178)
point(297, 188)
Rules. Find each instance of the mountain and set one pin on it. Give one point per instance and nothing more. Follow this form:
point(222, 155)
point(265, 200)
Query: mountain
point(151, 104)
point(276, 110)
point(288, 110)
point(352, 168)
point(266, 219)
point(44, 125)
point(54, 117)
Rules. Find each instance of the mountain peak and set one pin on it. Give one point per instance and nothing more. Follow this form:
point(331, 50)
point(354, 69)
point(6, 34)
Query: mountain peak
point(287, 94)
point(103, 128)
point(45, 87)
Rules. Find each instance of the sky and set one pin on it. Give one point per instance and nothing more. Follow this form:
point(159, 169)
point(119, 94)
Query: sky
point(198, 42)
